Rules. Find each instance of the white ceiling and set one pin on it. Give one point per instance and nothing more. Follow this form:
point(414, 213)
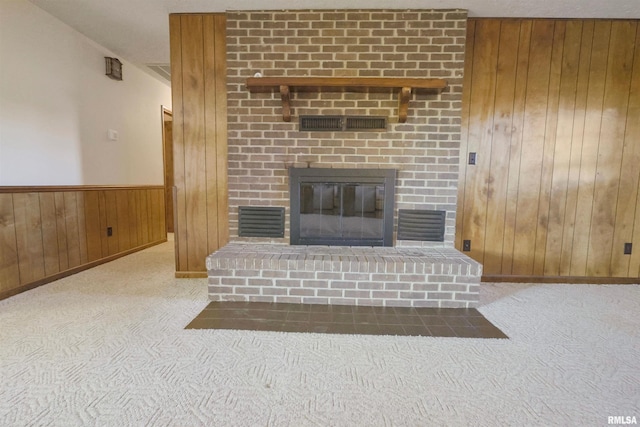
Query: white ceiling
point(138, 30)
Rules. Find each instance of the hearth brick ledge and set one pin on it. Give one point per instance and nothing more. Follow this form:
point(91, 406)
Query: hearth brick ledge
point(381, 276)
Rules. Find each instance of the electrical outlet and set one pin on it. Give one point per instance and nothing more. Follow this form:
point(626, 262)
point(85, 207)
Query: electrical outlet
point(472, 158)
point(627, 248)
point(466, 245)
point(109, 231)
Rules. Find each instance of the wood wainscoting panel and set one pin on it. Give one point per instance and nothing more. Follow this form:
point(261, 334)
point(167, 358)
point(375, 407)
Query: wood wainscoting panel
point(505, 87)
point(615, 116)
point(123, 220)
point(73, 228)
point(180, 217)
point(158, 217)
point(627, 215)
point(515, 146)
point(532, 148)
point(26, 208)
point(198, 81)
point(111, 212)
point(93, 226)
point(47, 233)
point(590, 146)
point(9, 270)
point(194, 142)
point(480, 127)
point(562, 156)
point(134, 224)
point(551, 108)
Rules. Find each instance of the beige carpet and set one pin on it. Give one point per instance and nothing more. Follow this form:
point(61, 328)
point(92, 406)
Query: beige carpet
point(107, 347)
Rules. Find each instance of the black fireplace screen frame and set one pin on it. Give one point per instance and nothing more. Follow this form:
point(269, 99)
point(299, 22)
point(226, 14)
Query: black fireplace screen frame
point(300, 176)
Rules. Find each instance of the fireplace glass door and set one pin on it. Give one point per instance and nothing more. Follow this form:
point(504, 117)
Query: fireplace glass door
point(341, 210)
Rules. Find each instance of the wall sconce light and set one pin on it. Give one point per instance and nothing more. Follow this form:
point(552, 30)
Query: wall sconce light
point(114, 68)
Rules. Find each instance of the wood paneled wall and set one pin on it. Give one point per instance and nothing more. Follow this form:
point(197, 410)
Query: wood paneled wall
point(50, 232)
point(552, 109)
point(198, 81)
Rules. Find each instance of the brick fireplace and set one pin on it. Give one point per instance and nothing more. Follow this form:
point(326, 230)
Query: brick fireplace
point(424, 150)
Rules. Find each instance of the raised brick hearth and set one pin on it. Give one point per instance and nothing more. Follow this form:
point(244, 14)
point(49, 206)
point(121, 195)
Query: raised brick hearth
point(381, 276)
point(424, 151)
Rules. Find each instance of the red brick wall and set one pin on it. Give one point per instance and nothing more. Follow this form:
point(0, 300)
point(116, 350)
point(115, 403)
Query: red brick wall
point(339, 43)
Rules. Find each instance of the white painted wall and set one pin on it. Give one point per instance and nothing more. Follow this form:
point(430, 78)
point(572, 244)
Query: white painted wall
point(56, 106)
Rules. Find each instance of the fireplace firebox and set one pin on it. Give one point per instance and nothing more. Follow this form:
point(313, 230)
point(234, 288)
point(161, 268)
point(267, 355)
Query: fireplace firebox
point(345, 207)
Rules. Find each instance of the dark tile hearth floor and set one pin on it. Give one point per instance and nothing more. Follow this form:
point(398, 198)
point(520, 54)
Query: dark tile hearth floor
point(343, 319)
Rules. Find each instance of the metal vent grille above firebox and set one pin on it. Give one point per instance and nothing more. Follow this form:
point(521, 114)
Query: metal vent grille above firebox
point(342, 123)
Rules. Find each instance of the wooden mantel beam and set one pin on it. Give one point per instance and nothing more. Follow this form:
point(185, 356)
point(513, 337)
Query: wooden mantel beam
point(256, 83)
point(285, 84)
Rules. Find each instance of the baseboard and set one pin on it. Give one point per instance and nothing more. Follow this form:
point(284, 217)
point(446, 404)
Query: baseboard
point(74, 270)
point(191, 274)
point(562, 279)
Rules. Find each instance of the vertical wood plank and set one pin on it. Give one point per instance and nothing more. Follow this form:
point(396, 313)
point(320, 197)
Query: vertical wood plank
point(515, 148)
point(211, 142)
point(104, 239)
point(502, 129)
point(593, 122)
point(133, 219)
point(9, 271)
point(153, 215)
point(610, 148)
point(122, 214)
point(480, 133)
point(139, 218)
point(163, 216)
point(82, 227)
point(150, 214)
point(562, 155)
point(92, 221)
point(177, 81)
point(111, 211)
point(532, 148)
point(577, 140)
point(28, 226)
point(73, 231)
point(548, 159)
point(168, 173)
point(628, 206)
point(49, 233)
point(194, 135)
point(144, 215)
point(159, 215)
point(61, 231)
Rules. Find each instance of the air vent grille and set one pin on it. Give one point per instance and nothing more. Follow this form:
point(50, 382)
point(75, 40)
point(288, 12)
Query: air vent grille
point(342, 123)
point(423, 225)
point(366, 123)
point(163, 70)
point(257, 221)
point(321, 123)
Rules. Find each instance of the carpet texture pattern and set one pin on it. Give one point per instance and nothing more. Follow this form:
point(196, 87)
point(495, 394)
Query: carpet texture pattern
point(108, 347)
